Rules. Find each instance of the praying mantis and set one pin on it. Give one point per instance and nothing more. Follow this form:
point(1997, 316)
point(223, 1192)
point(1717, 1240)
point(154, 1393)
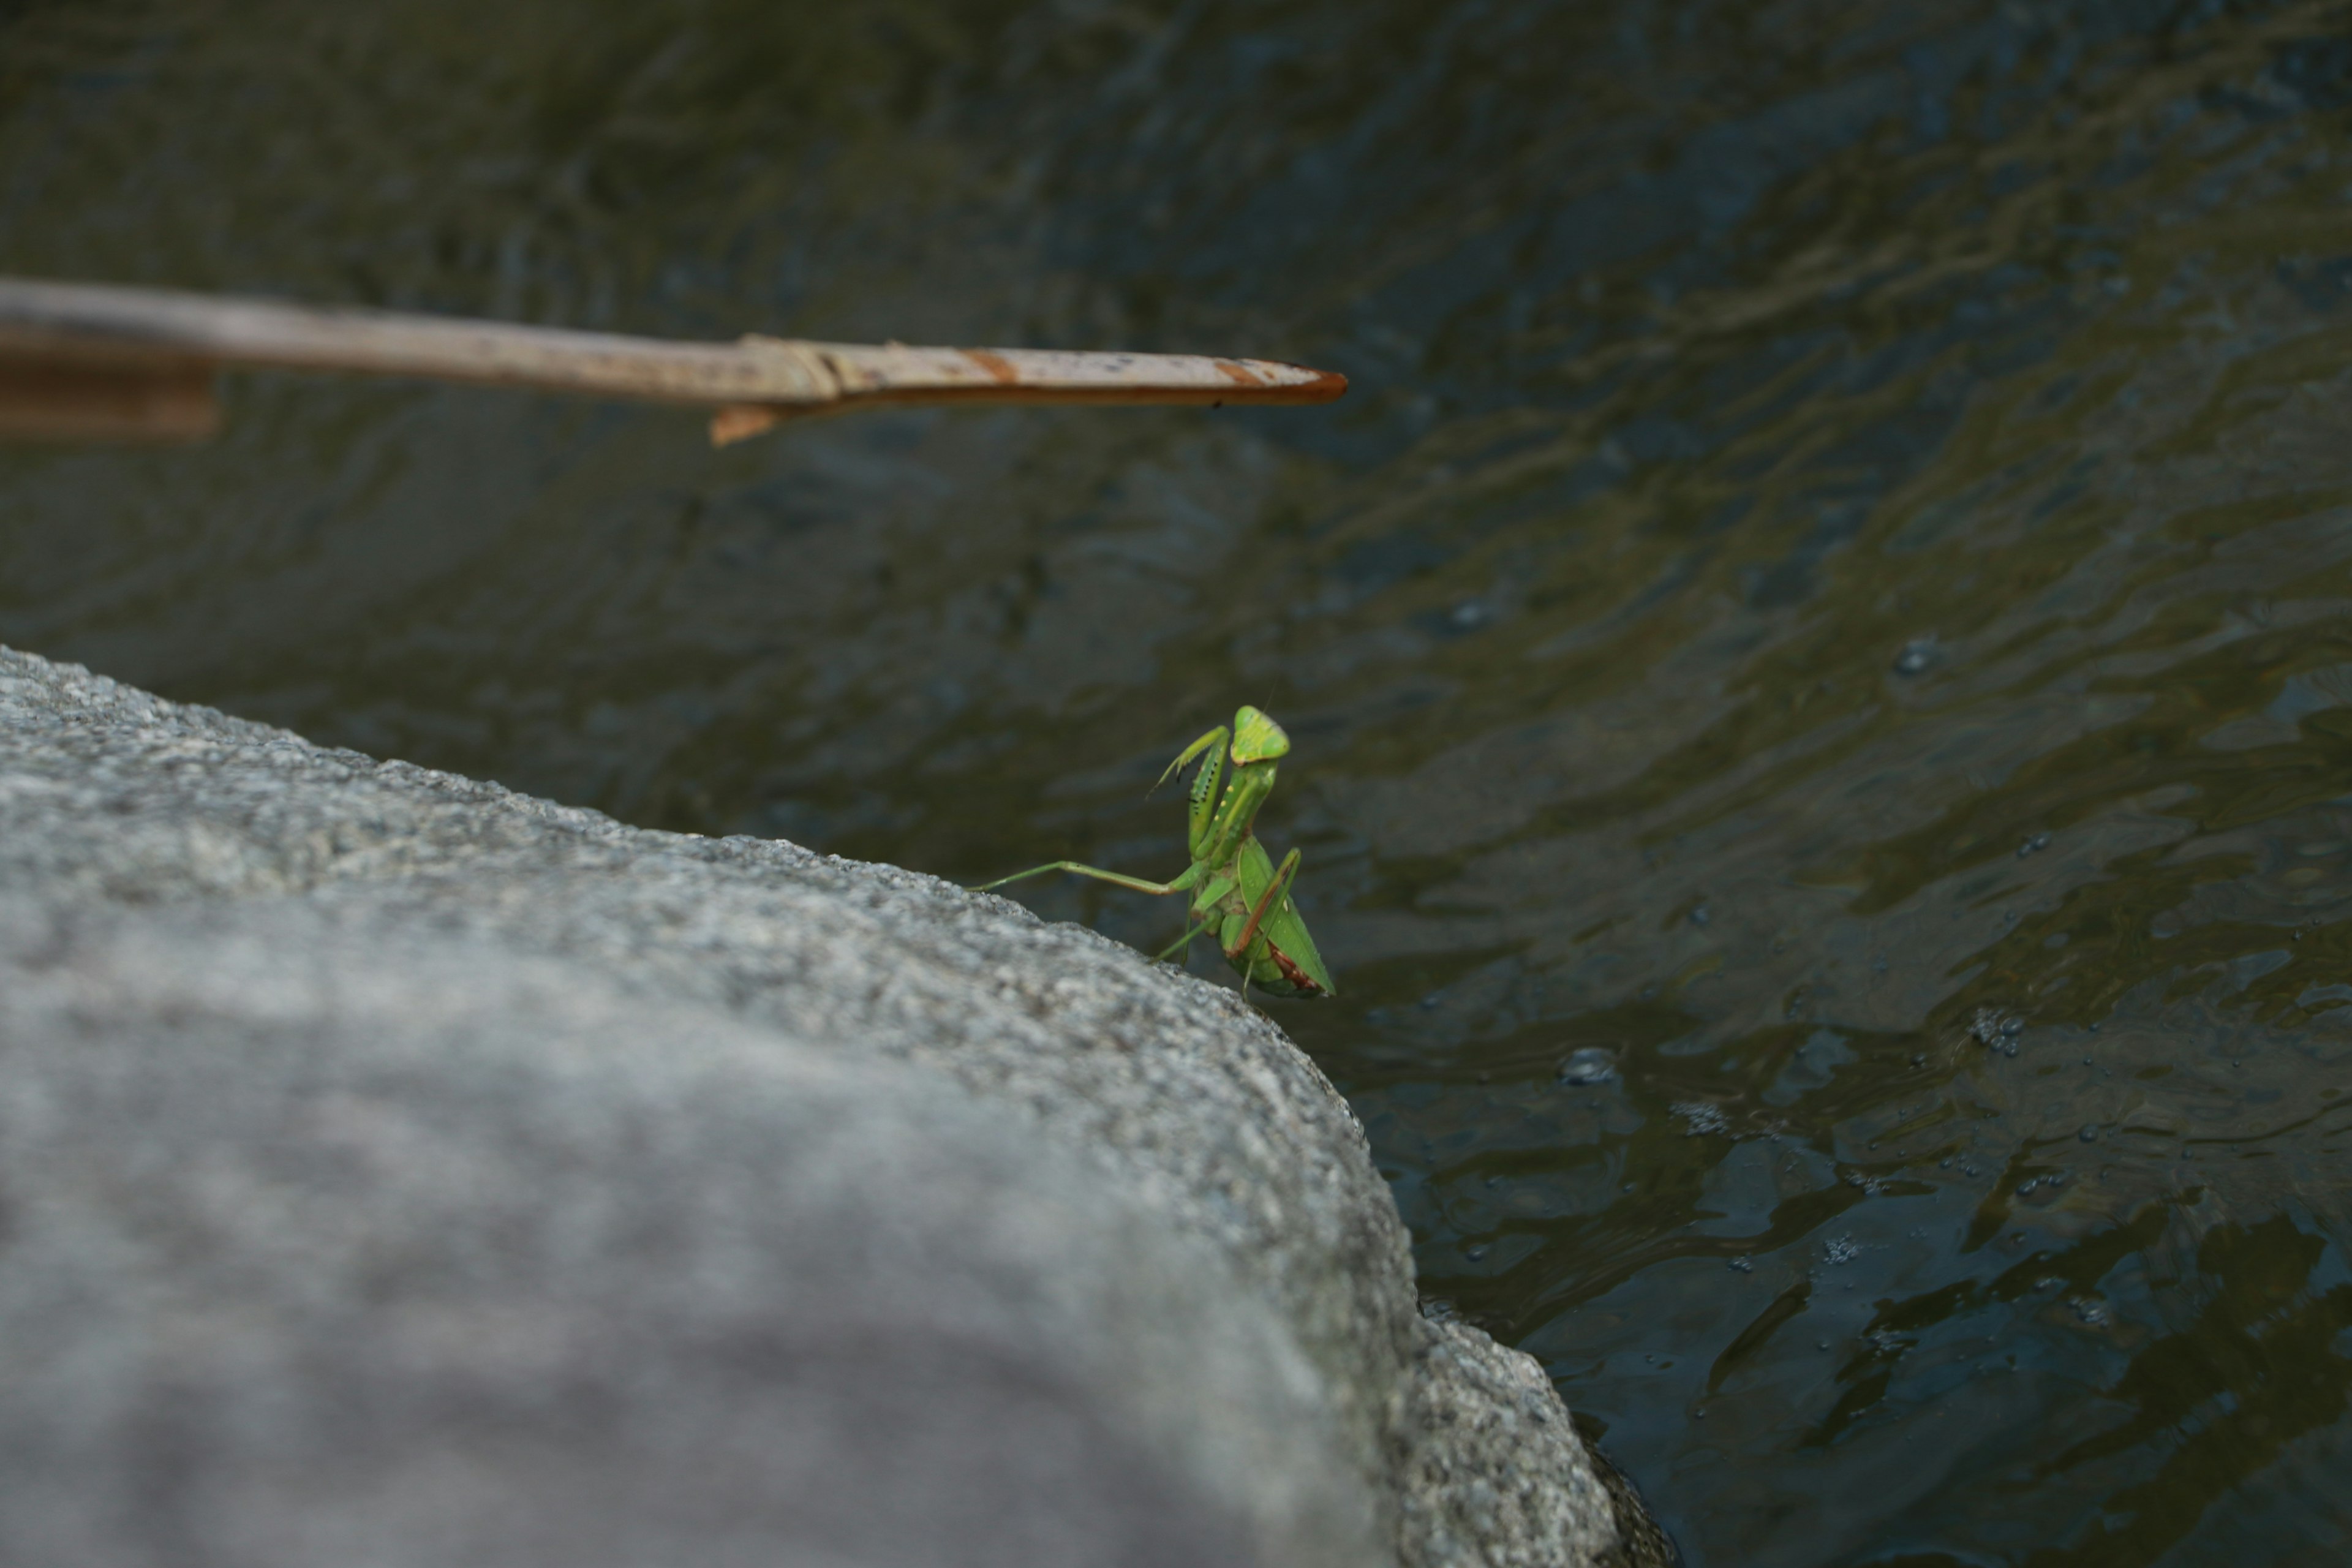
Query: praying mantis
point(1239, 895)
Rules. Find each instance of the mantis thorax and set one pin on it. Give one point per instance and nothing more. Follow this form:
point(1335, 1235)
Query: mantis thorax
point(1245, 793)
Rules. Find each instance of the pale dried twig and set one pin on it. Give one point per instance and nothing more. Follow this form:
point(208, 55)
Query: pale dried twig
point(82, 360)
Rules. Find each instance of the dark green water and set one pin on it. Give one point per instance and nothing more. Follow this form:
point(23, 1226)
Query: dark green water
point(1829, 609)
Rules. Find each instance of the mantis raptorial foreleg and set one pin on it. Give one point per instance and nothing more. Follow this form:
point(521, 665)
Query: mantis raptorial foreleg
point(1216, 737)
point(1207, 784)
point(1138, 883)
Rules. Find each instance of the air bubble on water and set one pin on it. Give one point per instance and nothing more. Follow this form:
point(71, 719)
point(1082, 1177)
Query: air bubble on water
point(2089, 1135)
point(1704, 1116)
point(1743, 1265)
point(1588, 1067)
point(1841, 1250)
point(1474, 1253)
point(2089, 1311)
point(1917, 656)
point(1991, 1026)
point(2033, 846)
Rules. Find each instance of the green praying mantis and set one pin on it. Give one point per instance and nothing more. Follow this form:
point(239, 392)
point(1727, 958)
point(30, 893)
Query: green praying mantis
point(1238, 893)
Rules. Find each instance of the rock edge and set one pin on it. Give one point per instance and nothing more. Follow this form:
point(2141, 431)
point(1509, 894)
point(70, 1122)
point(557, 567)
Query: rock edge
point(1188, 1104)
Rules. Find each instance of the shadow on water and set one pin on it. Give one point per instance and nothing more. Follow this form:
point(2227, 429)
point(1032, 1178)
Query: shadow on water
point(1820, 654)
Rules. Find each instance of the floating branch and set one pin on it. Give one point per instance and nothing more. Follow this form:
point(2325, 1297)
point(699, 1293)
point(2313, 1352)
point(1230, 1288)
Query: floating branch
point(81, 361)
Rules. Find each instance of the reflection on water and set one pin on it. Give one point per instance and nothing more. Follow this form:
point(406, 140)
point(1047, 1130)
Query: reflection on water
point(1818, 655)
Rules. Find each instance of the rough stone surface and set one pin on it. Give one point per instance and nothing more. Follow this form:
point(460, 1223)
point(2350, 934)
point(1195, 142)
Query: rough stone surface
point(1140, 1089)
point(1489, 1457)
point(331, 1242)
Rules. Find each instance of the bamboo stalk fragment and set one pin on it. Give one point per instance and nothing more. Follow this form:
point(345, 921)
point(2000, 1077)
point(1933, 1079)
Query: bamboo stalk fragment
point(79, 359)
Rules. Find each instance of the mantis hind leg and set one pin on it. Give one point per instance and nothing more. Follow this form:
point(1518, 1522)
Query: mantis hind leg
point(1099, 874)
point(1182, 943)
point(1283, 877)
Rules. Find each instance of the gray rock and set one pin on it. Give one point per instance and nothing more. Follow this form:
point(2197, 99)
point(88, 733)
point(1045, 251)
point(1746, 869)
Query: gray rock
point(338, 1243)
point(1157, 1126)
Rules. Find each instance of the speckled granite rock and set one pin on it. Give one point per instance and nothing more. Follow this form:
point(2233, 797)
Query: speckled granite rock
point(334, 1241)
point(1167, 1097)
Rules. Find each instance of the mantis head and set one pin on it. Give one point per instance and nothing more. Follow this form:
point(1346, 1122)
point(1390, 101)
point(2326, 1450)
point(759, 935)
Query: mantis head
point(1257, 738)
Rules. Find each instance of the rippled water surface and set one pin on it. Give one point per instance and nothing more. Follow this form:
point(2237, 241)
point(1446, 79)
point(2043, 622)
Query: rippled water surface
point(1818, 651)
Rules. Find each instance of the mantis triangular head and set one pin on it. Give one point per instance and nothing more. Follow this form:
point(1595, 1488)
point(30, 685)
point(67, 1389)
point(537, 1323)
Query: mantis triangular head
point(1257, 738)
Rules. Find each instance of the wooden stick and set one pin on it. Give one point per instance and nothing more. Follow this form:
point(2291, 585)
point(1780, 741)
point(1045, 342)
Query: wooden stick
point(94, 360)
point(72, 400)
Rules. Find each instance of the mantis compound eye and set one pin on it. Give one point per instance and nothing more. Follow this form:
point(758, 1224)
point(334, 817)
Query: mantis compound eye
point(1257, 738)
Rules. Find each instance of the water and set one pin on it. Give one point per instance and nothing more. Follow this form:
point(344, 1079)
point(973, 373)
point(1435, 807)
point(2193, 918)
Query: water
point(1818, 651)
